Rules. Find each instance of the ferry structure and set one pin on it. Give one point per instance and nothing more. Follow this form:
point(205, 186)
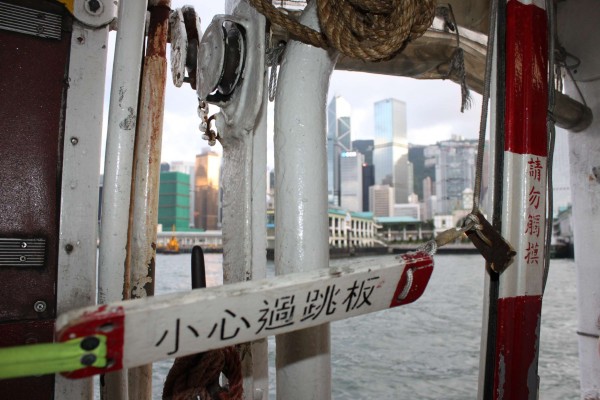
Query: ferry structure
point(70, 310)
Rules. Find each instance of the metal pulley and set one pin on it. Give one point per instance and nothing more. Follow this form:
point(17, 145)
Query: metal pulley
point(221, 56)
point(185, 36)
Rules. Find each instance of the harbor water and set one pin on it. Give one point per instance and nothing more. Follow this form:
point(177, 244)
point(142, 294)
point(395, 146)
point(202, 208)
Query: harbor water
point(425, 350)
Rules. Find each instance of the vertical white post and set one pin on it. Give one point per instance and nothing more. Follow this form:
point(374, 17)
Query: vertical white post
point(146, 176)
point(584, 155)
point(242, 125)
point(301, 231)
point(76, 285)
point(122, 119)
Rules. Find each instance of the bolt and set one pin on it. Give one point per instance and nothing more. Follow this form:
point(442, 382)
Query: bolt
point(90, 343)
point(23, 245)
point(88, 359)
point(22, 258)
point(93, 7)
point(39, 306)
point(74, 140)
point(69, 248)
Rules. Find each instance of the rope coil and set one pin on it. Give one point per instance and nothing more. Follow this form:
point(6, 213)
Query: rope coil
point(197, 376)
point(370, 30)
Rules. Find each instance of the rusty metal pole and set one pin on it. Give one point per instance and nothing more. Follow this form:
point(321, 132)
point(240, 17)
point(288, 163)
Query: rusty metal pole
point(145, 185)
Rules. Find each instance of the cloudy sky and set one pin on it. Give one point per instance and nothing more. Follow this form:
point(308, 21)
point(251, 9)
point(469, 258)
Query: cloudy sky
point(433, 107)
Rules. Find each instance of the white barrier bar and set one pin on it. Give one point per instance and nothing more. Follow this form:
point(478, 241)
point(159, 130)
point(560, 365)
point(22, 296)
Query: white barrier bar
point(155, 328)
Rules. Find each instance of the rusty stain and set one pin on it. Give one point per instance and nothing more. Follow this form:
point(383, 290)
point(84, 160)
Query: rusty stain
point(153, 245)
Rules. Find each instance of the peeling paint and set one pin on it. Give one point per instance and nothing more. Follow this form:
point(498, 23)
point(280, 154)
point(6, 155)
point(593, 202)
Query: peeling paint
point(501, 376)
point(122, 92)
point(128, 124)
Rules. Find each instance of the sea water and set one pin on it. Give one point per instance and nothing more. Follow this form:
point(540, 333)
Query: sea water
point(428, 350)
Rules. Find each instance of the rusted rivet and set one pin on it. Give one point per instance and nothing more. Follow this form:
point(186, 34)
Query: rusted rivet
point(74, 140)
point(69, 248)
point(93, 7)
point(39, 306)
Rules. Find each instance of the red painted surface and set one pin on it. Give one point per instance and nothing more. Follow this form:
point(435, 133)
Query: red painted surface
point(22, 333)
point(422, 265)
point(515, 375)
point(526, 79)
point(33, 87)
point(107, 321)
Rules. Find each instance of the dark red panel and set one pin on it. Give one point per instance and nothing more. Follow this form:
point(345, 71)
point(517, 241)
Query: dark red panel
point(515, 375)
point(526, 79)
point(32, 89)
point(32, 94)
point(17, 334)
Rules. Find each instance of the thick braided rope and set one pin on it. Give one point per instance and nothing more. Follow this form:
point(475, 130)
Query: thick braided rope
point(371, 30)
point(197, 376)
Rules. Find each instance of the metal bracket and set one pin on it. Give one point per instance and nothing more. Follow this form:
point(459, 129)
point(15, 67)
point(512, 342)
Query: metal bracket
point(95, 13)
point(231, 58)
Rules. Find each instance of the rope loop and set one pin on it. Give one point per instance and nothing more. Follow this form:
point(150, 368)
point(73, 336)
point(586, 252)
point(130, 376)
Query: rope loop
point(197, 376)
point(370, 30)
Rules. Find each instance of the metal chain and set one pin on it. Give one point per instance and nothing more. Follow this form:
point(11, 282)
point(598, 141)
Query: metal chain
point(484, 111)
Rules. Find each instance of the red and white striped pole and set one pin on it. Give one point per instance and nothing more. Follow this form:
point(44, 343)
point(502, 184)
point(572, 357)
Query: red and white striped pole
point(524, 200)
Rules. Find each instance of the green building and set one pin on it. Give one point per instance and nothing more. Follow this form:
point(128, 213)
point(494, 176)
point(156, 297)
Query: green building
point(174, 201)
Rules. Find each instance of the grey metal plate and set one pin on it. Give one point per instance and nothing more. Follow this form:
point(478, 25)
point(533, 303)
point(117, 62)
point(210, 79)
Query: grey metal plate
point(29, 21)
point(22, 252)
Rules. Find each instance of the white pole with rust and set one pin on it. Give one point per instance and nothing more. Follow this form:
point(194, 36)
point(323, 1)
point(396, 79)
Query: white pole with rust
point(303, 358)
point(122, 119)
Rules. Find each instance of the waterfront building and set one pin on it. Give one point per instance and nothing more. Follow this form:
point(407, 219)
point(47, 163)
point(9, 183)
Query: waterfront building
point(381, 200)
point(338, 141)
point(365, 147)
point(351, 174)
point(454, 161)
point(347, 229)
point(207, 204)
point(187, 167)
point(412, 210)
point(390, 155)
point(174, 201)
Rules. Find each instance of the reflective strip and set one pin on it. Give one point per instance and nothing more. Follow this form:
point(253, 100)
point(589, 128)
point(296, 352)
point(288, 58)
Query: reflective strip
point(49, 358)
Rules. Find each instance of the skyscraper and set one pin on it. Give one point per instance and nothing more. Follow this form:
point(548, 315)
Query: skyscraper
point(365, 147)
point(338, 140)
point(351, 163)
point(206, 213)
point(454, 162)
point(390, 156)
point(174, 201)
point(187, 167)
point(381, 200)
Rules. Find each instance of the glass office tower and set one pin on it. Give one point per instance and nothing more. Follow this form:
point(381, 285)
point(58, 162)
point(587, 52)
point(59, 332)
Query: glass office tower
point(338, 141)
point(390, 155)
